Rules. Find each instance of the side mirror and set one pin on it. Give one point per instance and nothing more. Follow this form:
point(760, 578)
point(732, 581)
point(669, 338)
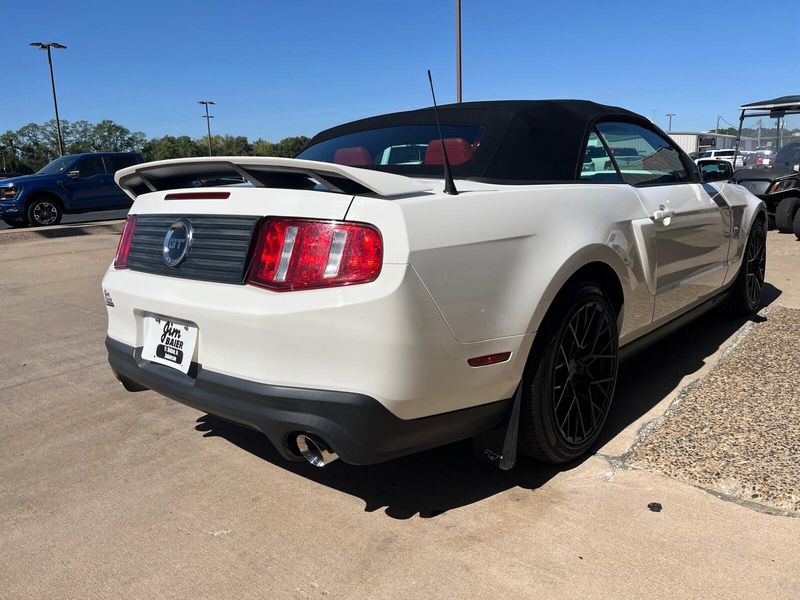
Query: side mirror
point(74, 174)
point(715, 170)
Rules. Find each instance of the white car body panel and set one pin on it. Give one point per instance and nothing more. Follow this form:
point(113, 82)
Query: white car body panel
point(490, 251)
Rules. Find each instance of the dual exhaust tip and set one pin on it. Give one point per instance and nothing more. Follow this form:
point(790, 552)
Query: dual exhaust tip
point(314, 450)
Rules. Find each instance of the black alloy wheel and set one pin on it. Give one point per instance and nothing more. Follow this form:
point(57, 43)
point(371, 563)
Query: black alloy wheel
point(570, 383)
point(749, 286)
point(756, 264)
point(44, 211)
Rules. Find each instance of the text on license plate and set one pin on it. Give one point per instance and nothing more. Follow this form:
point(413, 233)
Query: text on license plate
point(169, 342)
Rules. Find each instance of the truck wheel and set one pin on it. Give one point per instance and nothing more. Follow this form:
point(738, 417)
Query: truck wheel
point(746, 292)
point(570, 377)
point(797, 224)
point(784, 214)
point(44, 211)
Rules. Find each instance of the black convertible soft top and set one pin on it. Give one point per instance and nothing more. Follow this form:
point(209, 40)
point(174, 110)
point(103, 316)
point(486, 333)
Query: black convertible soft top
point(524, 140)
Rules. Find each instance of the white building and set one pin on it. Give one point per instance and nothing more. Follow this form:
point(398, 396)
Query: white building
point(700, 141)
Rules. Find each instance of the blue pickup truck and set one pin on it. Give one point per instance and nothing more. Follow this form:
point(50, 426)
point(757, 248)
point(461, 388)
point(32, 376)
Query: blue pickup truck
point(73, 183)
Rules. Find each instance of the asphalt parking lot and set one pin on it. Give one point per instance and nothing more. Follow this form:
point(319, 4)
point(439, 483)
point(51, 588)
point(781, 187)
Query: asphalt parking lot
point(106, 494)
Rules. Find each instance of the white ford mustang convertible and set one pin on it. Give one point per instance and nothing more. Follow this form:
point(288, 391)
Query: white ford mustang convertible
point(345, 305)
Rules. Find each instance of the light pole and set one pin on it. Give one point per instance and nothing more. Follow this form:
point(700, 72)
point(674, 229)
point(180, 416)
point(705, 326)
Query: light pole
point(458, 51)
point(208, 118)
point(47, 47)
point(670, 115)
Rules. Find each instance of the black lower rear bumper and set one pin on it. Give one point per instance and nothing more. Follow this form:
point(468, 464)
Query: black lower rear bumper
point(357, 427)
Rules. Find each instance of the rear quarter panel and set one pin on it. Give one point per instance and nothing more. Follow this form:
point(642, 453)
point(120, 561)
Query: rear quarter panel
point(493, 260)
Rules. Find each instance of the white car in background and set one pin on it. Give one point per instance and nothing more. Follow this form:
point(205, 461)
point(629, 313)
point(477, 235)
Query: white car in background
point(346, 306)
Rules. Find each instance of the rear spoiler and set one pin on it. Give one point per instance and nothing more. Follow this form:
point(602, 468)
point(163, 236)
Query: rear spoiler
point(272, 172)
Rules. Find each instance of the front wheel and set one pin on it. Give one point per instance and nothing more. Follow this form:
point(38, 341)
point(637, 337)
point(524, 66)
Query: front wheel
point(797, 224)
point(746, 292)
point(44, 211)
point(570, 379)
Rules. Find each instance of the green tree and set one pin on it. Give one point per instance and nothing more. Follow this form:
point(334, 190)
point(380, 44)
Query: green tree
point(288, 147)
point(170, 146)
point(108, 136)
point(228, 145)
point(34, 145)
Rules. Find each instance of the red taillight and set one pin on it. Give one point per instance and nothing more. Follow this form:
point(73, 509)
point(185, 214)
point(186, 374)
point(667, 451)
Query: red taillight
point(293, 254)
point(198, 196)
point(124, 248)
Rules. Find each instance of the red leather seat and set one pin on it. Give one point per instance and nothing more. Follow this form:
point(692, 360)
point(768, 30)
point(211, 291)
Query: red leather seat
point(354, 156)
point(458, 151)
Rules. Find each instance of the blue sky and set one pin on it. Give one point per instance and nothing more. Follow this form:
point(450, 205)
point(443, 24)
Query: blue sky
point(278, 68)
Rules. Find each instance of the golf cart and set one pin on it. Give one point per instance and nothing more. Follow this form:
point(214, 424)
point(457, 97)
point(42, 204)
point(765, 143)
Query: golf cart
point(777, 180)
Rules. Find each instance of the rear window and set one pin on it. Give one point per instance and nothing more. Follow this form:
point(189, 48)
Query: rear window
point(404, 145)
point(120, 161)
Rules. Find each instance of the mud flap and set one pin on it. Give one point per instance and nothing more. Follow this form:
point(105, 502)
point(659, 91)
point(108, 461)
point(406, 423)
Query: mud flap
point(498, 446)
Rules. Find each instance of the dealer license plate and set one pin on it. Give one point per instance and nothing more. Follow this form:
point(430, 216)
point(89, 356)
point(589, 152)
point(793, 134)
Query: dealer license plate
point(169, 342)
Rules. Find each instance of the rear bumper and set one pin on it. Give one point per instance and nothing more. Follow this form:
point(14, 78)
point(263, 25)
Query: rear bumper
point(355, 426)
point(385, 340)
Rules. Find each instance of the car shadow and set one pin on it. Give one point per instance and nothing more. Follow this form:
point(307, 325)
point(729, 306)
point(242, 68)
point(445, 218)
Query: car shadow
point(433, 482)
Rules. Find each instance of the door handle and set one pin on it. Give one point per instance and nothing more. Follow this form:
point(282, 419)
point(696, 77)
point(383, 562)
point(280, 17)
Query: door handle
point(663, 214)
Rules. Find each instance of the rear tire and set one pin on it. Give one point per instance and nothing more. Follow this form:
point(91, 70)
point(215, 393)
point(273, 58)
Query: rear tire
point(44, 211)
point(745, 298)
point(797, 224)
point(570, 377)
point(785, 213)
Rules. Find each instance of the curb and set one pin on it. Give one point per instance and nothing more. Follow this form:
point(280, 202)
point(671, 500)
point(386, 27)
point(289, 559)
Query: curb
point(11, 236)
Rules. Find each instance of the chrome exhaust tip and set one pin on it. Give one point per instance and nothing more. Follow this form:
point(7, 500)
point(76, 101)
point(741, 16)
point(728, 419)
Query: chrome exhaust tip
point(314, 450)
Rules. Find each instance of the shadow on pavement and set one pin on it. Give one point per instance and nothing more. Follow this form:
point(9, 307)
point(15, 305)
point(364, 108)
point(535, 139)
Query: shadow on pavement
point(432, 482)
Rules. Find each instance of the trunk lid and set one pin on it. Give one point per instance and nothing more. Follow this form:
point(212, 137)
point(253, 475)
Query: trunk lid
point(216, 205)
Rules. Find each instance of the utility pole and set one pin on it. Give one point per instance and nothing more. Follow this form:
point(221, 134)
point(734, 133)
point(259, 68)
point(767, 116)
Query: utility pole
point(670, 115)
point(458, 51)
point(47, 47)
point(758, 143)
point(208, 118)
point(717, 129)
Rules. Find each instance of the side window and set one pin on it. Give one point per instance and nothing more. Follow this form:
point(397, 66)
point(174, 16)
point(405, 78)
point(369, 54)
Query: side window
point(643, 156)
point(91, 165)
point(119, 161)
point(597, 165)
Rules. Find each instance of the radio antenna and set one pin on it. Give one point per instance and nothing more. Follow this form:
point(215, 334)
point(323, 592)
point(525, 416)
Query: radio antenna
point(449, 184)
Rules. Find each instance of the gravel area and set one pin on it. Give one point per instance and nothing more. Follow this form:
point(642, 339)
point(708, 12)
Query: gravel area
point(737, 431)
